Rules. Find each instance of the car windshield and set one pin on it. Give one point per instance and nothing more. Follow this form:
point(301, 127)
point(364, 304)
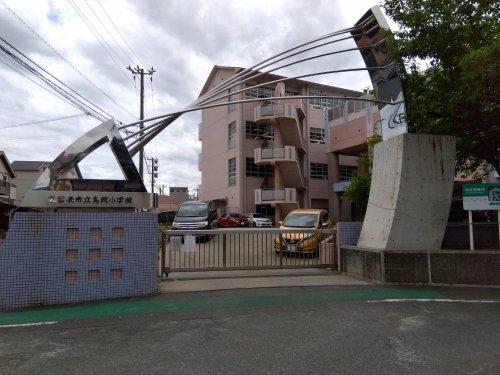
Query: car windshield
point(192, 210)
point(235, 215)
point(300, 220)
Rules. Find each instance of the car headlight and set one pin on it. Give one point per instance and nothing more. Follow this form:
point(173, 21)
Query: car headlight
point(203, 224)
point(175, 225)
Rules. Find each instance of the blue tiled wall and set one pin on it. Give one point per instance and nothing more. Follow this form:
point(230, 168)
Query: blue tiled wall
point(42, 263)
point(348, 233)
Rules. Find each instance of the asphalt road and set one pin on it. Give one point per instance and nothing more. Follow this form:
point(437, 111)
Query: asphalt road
point(315, 330)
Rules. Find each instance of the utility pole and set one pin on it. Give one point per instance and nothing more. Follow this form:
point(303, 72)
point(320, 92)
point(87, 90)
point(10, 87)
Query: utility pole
point(141, 72)
point(154, 174)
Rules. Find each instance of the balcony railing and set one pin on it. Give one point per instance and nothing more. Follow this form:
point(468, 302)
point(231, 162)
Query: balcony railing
point(273, 195)
point(288, 153)
point(289, 121)
point(272, 153)
point(287, 195)
point(276, 109)
point(5, 188)
point(272, 110)
point(286, 159)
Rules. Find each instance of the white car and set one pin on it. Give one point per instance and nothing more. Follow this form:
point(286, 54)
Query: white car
point(258, 220)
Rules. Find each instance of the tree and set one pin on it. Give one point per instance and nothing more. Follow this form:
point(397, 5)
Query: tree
point(358, 190)
point(458, 92)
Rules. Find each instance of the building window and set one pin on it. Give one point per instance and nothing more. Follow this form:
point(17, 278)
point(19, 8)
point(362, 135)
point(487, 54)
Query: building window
point(254, 170)
point(320, 103)
point(232, 172)
point(346, 172)
point(231, 135)
point(252, 130)
point(230, 98)
point(319, 171)
point(263, 92)
point(258, 92)
point(317, 135)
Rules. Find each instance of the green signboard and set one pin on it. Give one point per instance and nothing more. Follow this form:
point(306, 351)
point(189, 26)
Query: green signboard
point(481, 196)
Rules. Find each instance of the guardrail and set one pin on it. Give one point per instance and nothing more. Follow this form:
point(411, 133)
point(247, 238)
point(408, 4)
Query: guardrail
point(252, 248)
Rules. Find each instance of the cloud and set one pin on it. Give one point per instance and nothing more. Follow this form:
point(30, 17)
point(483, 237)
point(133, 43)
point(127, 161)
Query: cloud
point(181, 39)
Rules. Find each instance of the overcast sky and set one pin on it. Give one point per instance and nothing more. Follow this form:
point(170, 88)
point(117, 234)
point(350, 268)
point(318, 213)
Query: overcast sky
point(181, 39)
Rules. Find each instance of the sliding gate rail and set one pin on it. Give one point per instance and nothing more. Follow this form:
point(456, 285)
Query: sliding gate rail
point(251, 248)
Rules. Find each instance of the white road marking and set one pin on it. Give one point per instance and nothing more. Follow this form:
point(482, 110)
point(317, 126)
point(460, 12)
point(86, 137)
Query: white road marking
point(430, 300)
point(27, 324)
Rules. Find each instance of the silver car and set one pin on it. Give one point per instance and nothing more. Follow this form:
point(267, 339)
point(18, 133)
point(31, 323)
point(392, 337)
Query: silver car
point(258, 220)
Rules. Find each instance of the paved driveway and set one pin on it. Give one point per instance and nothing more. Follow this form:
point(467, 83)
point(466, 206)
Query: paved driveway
point(310, 330)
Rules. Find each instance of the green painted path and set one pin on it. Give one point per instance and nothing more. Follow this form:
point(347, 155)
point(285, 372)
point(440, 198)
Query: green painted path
point(163, 304)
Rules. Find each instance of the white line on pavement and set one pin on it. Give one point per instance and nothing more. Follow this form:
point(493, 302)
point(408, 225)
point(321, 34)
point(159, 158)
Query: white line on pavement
point(430, 300)
point(26, 324)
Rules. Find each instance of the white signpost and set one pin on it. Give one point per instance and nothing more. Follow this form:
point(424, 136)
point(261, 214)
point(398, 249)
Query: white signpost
point(481, 197)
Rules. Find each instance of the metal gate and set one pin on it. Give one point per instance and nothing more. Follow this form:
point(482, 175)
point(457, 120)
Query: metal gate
point(252, 248)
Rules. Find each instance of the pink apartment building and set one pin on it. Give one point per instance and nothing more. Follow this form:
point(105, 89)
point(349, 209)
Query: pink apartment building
point(275, 156)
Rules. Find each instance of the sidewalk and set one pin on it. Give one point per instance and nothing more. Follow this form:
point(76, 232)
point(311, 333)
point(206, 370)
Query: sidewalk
point(248, 279)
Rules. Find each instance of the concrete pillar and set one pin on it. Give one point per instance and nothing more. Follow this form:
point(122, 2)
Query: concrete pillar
point(410, 194)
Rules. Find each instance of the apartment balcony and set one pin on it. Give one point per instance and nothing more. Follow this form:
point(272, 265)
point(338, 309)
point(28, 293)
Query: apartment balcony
point(5, 188)
point(287, 117)
point(276, 196)
point(286, 160)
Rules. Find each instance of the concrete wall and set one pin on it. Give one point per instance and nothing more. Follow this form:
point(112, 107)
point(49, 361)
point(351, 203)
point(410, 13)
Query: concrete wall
point(58, 258)
point(422, 266)
point(365, 264)
point(345, 136)
point(465, 267)
point(410, 193)
point(410, 266)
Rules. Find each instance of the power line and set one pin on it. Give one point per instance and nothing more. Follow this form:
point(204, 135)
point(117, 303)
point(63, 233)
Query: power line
point(119, 33)
point(127, 57)
point(63, 58)
point(103, 24)
point(55, 93)
point(126, 43)
point(42, 121)
point(77, 102)
point(104, 44)
point(40, 138)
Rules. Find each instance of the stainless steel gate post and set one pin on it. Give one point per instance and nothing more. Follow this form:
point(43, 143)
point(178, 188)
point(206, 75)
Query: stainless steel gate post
point(224, 250)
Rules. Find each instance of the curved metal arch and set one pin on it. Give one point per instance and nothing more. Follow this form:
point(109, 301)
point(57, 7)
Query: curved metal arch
point(63, 173)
